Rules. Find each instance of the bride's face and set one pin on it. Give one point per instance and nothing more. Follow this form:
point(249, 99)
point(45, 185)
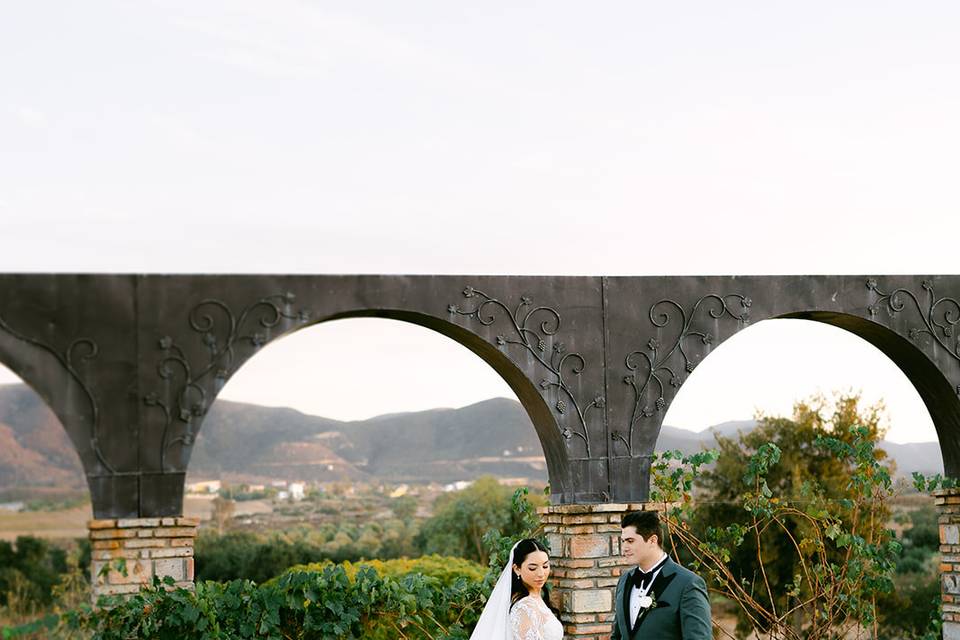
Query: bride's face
point(534, 570)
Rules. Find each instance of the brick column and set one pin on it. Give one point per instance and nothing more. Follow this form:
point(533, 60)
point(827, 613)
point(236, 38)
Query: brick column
point(149, 547)
point(585, 556)
point(948, 504)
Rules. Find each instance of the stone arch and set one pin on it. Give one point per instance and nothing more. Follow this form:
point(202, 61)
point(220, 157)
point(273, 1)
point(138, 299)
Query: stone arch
point(938, 395)
point(925, 378)
point(527, 393)
point(669, 325)
point(45, 451)
point(935, 390)
point(54, 375)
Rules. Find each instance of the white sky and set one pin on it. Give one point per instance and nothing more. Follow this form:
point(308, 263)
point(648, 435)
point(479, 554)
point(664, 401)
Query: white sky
point(435, 137)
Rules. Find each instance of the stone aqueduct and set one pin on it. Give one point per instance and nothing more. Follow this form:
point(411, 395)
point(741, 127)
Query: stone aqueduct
point(131, 364)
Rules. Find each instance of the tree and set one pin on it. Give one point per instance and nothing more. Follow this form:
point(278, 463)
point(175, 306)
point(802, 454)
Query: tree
point(462, 518)
point(30, 567)
point(405, 508)
point(790, 521)
point(223, 510)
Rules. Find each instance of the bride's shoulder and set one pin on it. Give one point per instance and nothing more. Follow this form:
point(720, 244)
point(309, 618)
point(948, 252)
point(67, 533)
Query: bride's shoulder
point(526, 603)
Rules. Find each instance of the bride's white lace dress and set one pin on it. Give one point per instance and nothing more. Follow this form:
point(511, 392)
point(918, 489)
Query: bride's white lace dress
point(531, 619)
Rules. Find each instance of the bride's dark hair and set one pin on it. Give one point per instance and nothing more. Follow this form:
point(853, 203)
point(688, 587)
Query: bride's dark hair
point(518, 590)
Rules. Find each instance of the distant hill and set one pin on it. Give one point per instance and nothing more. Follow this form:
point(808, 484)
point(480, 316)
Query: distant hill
point(244, 441)
point(34, 448)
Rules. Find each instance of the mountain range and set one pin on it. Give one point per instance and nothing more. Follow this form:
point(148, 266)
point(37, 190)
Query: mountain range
point(250, 443)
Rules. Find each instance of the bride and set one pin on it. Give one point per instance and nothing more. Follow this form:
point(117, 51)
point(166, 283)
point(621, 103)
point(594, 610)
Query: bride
point(518, 608)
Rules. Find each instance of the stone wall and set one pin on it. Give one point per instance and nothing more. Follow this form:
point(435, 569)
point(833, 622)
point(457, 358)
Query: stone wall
point(948, 504)
point(586, 560)
point(128, 553)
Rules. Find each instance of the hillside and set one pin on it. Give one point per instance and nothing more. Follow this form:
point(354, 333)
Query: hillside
point(259, 443)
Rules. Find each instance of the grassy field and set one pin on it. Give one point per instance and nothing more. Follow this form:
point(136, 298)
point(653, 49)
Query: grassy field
point(72, 523)
point(69, 523)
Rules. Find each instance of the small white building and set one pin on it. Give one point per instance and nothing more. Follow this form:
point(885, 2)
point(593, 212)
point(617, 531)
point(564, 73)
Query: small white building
point(208, 486)
point(283, 495)
point(296, 491)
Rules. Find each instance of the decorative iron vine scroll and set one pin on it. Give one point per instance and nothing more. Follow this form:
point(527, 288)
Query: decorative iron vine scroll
point(529, 327)
point(67, 360)
point(940, 316)
point(648, 368)
point(191, 398)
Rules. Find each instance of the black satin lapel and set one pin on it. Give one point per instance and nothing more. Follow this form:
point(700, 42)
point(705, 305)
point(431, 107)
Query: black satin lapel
point(627, 588)
point(659, 585)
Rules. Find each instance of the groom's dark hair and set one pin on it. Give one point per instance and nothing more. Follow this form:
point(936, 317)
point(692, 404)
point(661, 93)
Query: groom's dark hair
point(647, 523)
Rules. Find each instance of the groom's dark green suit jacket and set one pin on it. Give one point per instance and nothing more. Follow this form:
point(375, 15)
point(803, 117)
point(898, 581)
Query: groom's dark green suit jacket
point(682, 611)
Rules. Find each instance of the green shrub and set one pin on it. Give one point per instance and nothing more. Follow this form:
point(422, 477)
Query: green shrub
point(34, 566)
point(301, 604)
point(445, 569)
point(912, 609)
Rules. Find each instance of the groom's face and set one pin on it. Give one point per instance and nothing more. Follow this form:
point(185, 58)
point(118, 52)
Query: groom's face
point(637, 550)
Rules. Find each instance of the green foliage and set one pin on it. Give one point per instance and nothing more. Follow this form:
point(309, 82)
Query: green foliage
point(235, 493)
point(926, 484)
point(39, 578)
point(259, 557)
point(462, 521)
point(791, 525)
point(404, 508)
point(447, 570)
point(527, 525)
point(56, 504)
point(299, 605)
point(431, 598)
point(37, 629)
point(33, 566)
point(920, 542)
point(465, 522)
point(912, 609)
point(427, 598)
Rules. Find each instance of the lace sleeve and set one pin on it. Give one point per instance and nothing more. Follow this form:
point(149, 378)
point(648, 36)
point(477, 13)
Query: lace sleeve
point(526, 622)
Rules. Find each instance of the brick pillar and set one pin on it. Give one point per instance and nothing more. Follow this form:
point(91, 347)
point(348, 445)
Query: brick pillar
point(948, 504)
point(585, 556)
point(149, 547)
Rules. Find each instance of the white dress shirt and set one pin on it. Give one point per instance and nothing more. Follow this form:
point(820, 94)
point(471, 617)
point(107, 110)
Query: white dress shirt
point(636, 592)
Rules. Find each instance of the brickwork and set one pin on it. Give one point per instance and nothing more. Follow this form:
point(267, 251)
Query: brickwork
point(948, 504)
point(585, 556)
point(144, 547)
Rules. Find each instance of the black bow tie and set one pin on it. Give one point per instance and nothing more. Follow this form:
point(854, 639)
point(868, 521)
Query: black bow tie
point(640, 579)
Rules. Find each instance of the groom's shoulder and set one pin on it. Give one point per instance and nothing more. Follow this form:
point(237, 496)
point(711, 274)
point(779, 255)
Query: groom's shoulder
point(685, 574)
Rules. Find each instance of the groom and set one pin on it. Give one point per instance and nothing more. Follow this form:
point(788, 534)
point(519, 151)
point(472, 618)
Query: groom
point(657, 598)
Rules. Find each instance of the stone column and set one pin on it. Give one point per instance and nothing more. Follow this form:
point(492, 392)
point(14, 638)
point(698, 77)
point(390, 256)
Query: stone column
point(948, 504)
point(142, 548)
point(586, 560)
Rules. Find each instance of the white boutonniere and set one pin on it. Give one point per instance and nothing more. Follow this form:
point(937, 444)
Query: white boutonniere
point(648, 602)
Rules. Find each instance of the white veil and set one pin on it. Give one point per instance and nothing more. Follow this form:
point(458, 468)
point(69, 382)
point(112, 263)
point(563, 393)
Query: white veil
point(494, 623)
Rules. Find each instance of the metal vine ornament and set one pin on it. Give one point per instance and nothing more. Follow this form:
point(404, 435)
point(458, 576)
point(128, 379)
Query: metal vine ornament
point(940, 316)
point(670, 362)
point(69, 360)
point(530, 327)
point(220, 339)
